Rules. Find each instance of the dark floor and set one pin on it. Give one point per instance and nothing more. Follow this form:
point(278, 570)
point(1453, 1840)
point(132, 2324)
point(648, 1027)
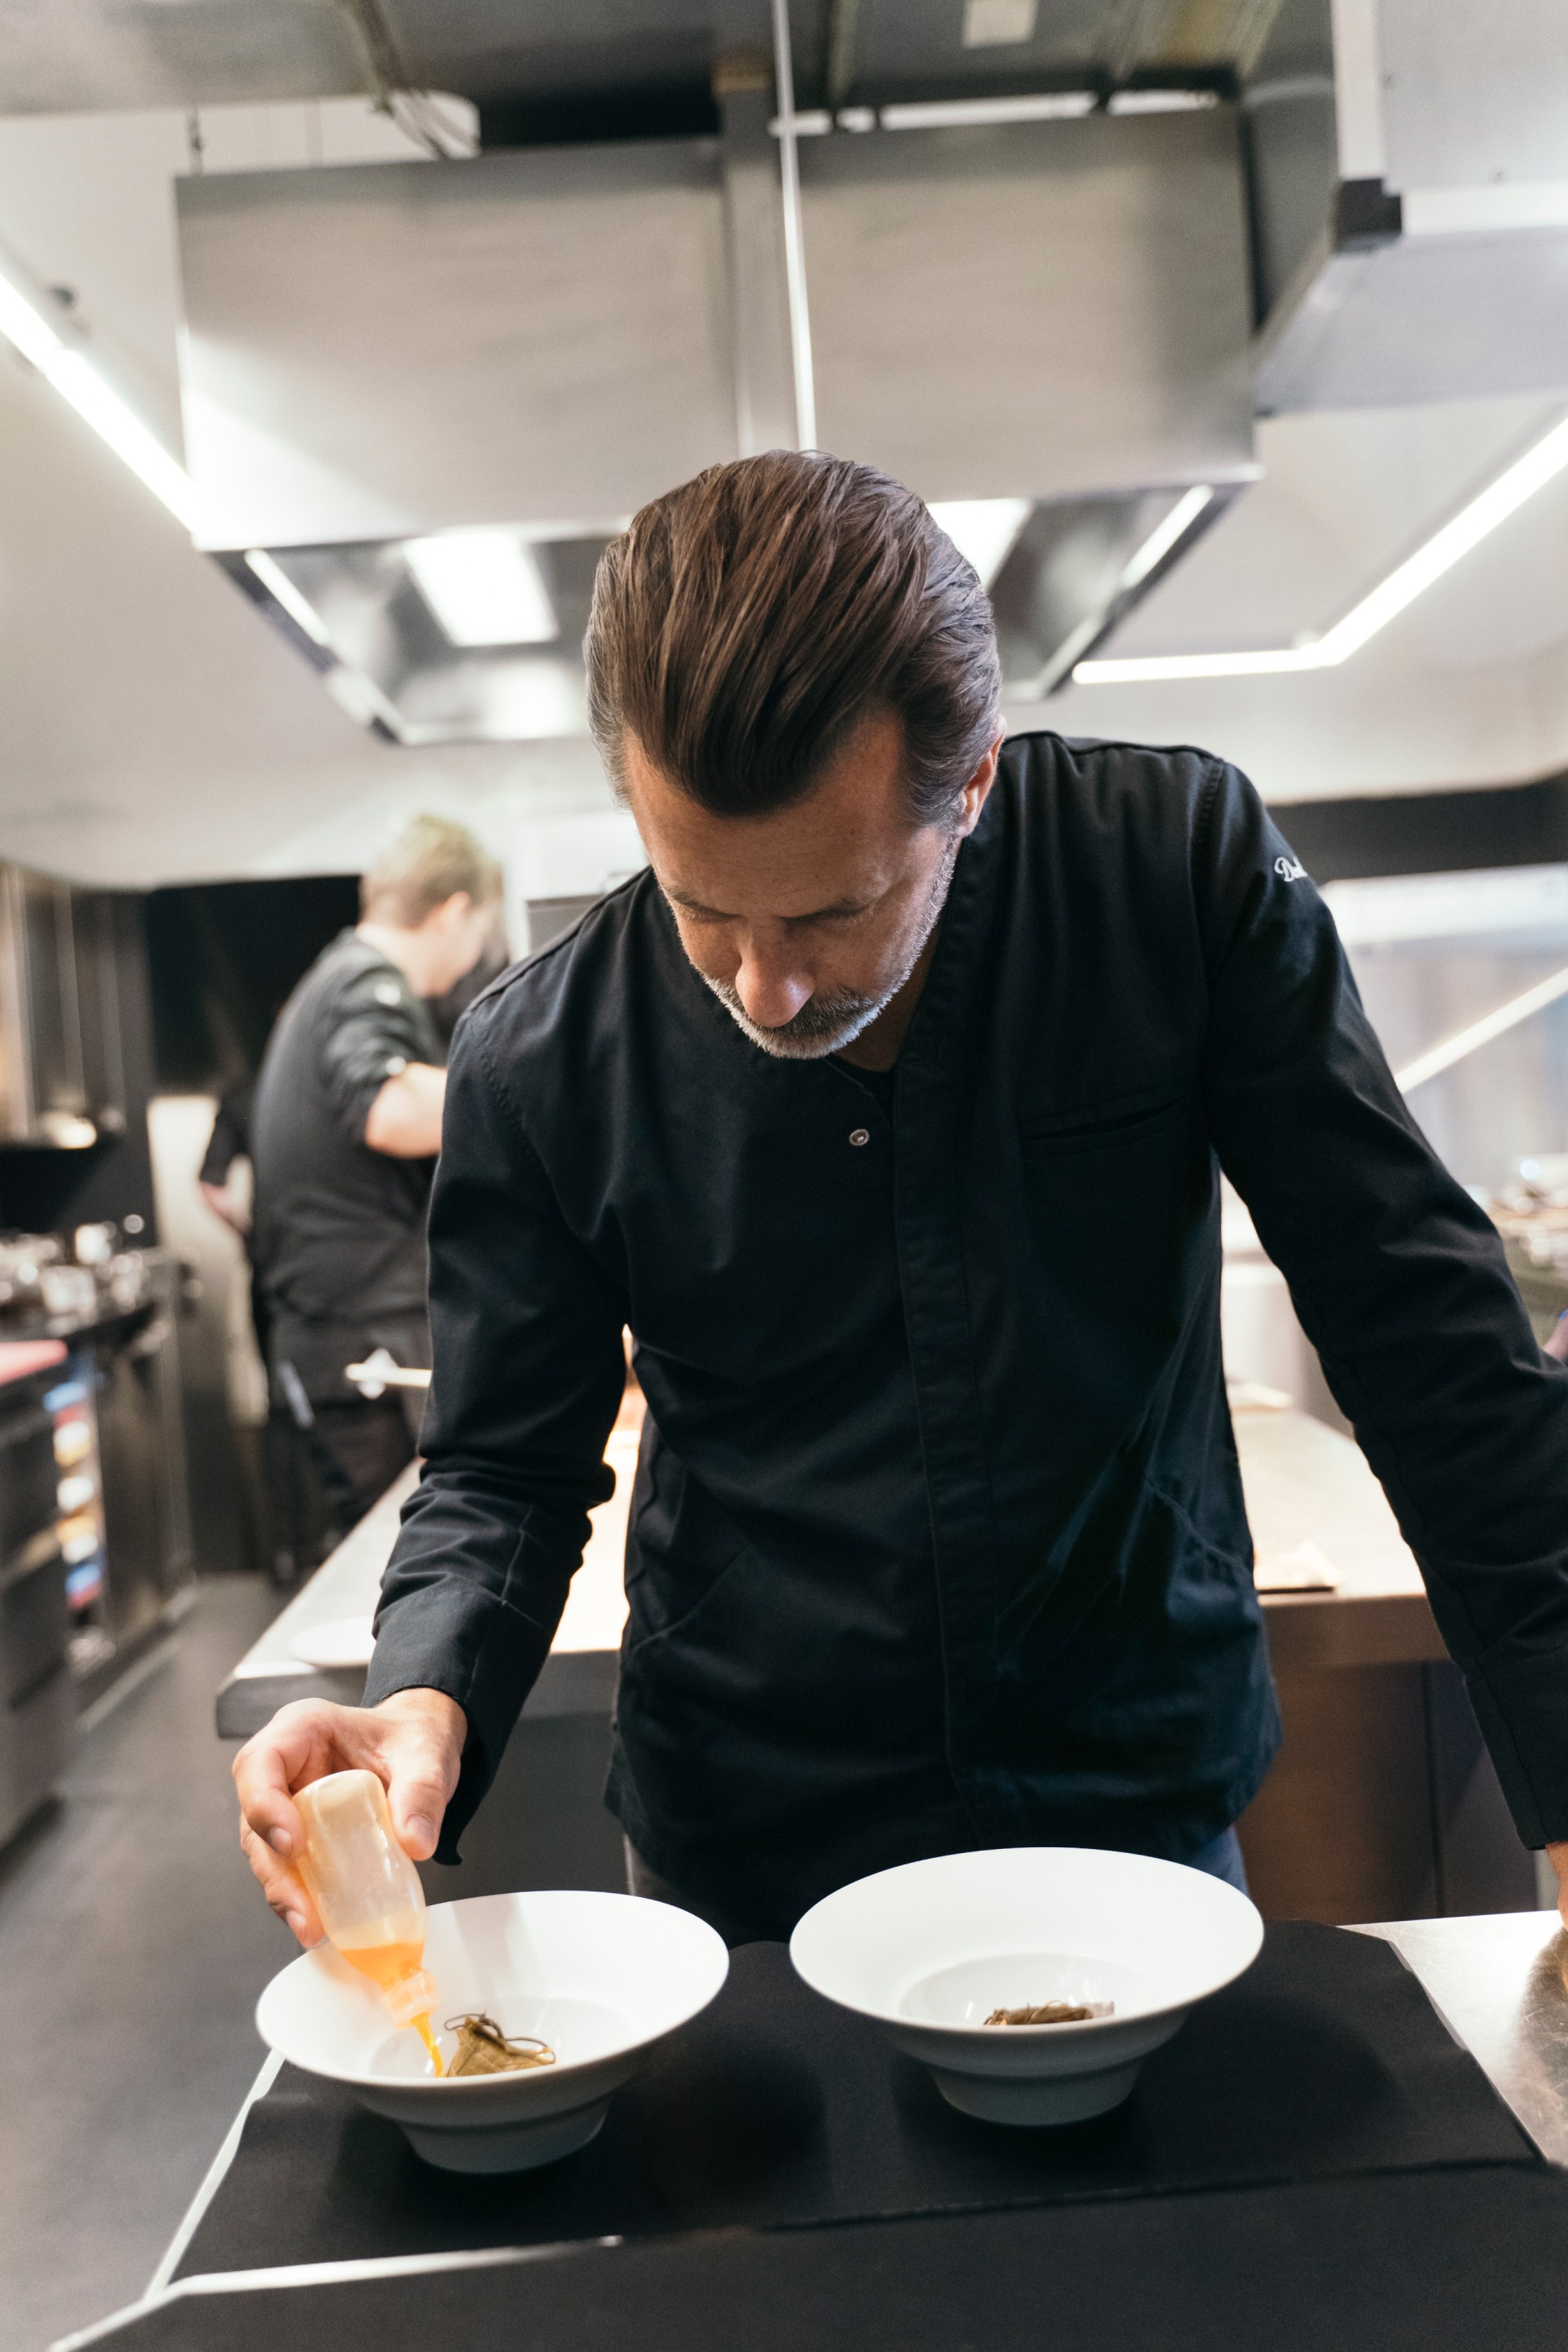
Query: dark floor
point(132, 1948)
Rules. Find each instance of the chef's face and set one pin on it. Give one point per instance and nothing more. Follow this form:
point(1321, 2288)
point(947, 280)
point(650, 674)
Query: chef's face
point(806, 922)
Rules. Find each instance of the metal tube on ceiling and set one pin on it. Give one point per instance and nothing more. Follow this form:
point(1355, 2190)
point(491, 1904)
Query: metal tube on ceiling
point(794, 235)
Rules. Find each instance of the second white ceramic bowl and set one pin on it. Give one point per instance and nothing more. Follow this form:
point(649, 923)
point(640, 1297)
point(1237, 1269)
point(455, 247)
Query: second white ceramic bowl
point(603, 1979)
point(929, 1949)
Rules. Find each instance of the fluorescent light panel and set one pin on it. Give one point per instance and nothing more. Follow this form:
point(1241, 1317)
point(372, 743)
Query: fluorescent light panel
point(1160, 101)
point(79, 384)
point(1464, 1042)
point(484, 588)
point(982, 530)
point(1504, 497)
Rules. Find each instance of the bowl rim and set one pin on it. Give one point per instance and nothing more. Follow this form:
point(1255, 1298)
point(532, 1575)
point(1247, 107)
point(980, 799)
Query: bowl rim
point(513, 2079)
point(1033, 2034)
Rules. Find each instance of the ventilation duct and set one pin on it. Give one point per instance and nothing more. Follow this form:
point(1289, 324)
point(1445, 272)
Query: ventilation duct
point(1048, 313)
point(1410, 182)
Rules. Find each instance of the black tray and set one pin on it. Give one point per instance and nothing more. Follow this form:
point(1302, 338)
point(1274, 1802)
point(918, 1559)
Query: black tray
point(775, 2110)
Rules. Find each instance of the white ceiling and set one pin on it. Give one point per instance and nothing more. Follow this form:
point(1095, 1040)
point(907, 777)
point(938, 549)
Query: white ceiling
point(153, 729)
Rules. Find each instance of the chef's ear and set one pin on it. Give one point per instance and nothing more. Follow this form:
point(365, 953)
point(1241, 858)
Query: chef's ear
point(972, 799)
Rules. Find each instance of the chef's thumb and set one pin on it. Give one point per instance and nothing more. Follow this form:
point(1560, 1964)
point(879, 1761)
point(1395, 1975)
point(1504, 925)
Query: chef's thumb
point(418, 1800)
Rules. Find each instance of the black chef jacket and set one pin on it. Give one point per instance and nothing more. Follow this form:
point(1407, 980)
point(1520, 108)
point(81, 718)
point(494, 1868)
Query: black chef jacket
point(338, 1235)
point(938, 1535)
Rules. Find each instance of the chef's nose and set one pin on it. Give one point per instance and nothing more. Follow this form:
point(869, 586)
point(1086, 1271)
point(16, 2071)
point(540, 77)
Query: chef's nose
point(771, 984)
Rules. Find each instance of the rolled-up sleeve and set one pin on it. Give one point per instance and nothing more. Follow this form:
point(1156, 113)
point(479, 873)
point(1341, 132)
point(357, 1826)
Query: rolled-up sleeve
point(527, 1381)
point(1399, 1282)
point(375, 1032)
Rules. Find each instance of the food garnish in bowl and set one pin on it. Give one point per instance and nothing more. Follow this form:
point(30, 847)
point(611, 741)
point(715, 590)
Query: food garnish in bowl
point(484, 2049)
point(1053, 2012)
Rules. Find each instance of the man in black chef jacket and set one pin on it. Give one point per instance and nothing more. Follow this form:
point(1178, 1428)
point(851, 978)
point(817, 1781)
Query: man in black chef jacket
point(344, 1129)
point(887, 1110)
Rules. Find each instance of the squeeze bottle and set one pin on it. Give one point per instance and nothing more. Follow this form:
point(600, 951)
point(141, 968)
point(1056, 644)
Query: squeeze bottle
point(368, 1893)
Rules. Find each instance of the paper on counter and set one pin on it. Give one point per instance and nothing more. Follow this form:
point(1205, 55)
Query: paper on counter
point(1303, 1569)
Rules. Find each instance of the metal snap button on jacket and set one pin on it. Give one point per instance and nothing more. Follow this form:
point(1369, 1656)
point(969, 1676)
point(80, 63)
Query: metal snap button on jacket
point(859, 1135)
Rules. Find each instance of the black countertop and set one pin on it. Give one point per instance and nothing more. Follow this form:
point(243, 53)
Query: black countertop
point(1313, 2162)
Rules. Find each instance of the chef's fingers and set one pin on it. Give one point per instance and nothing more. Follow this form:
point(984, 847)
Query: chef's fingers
point(301, 1742)
point(281, 1887)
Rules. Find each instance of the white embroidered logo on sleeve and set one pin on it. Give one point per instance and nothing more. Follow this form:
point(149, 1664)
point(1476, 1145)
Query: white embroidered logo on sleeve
point(1290, 869)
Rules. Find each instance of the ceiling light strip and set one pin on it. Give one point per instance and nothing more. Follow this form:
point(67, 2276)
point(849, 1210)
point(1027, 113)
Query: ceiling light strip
point(794, 234)
point(1164, 535)
point(1474, 522)
point(975, 114)
point(282, 591)
point(54, 351)
point(1492, 1025)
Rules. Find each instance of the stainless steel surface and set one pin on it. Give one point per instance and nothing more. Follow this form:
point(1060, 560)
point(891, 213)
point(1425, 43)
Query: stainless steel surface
point(1498, 1984)
point(79, 54)
point(793, 233)
point(562, 311)
point(1101, 267)
point(61, 1051)
point(759, 296)
point(1436, 318)
point(569, 314)
point(141, 1435)
point(1455, 111)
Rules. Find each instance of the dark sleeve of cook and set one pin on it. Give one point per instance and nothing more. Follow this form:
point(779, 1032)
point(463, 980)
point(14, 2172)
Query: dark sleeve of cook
point(526, 1337)
point(374, 1026)
point(230, 1137)
point(1401, 1285)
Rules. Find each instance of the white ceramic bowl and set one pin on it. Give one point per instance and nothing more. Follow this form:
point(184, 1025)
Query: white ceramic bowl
point(603, 1979)
point(931, 1950)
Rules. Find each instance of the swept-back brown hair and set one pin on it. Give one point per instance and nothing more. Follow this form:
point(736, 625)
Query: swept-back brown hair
point(746, 624)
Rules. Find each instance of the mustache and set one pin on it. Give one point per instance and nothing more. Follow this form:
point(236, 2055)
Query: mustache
point(823, 1024)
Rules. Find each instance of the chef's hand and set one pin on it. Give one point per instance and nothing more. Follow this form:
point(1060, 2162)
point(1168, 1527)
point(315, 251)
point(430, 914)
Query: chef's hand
point(413, 1742)
point(1557, 1857)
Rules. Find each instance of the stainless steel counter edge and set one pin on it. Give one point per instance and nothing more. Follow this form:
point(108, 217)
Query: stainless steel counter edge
point(1499, 1981)
point(573, 1682)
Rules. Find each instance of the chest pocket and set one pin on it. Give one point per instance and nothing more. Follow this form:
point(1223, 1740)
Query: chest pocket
point(1115, 1193)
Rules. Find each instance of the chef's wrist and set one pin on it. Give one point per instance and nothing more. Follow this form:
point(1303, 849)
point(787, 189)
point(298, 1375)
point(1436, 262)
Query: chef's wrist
point(1557, 1854)
point(433, 1710)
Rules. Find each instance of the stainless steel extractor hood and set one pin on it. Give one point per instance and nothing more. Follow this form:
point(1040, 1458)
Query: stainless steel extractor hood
point(1050, 312)
point(1410, 176)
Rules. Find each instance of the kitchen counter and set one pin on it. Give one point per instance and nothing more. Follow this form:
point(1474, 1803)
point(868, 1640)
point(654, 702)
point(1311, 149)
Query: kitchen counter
point(1499, 1983)
point(580, 1672)
point(1304, 1484)
point(1312, 2160)
point(1382, 1802)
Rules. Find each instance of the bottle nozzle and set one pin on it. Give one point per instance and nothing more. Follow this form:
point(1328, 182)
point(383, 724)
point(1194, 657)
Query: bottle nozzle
point(414, 1996)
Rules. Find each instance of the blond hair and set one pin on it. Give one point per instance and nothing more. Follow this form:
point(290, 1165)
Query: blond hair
point(431, 860)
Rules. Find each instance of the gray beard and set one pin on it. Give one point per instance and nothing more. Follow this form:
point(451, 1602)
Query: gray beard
point(826, 1025)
